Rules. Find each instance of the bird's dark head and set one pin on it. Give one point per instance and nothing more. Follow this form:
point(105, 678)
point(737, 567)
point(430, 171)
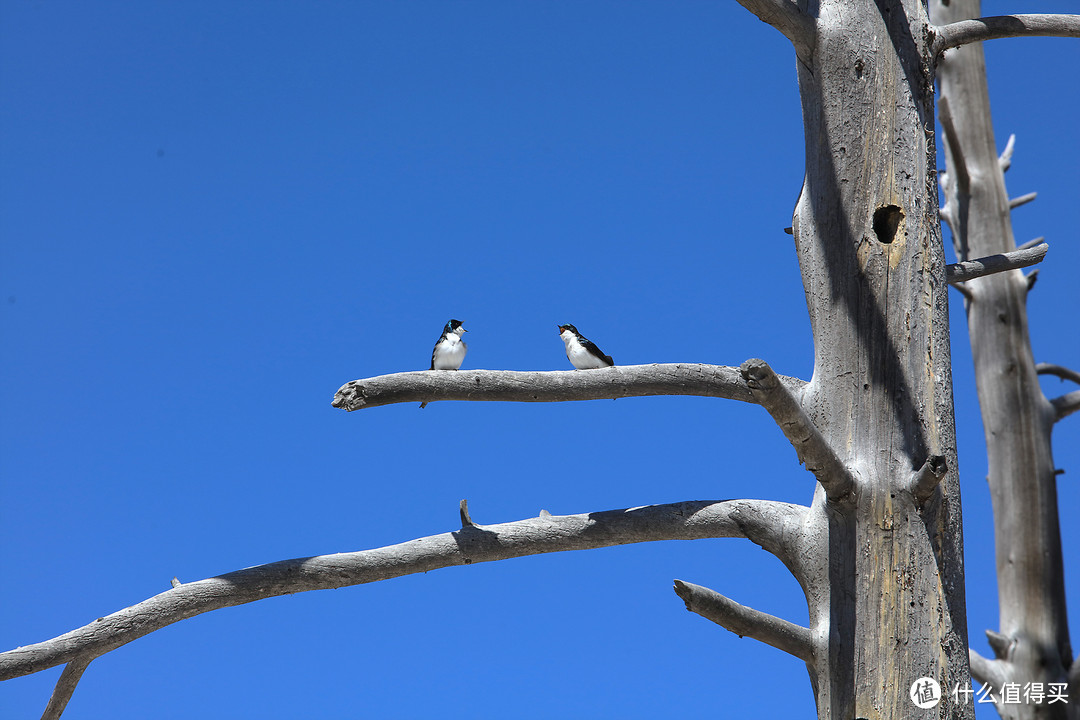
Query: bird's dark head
point(569, 327)
point(453, 325)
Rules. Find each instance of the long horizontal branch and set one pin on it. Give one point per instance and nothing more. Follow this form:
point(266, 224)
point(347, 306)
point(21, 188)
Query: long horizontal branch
point(472, 544)
point(745, 621)
point(971, 269)
point(550, 386)
point(1004, 26)
point(785, 16)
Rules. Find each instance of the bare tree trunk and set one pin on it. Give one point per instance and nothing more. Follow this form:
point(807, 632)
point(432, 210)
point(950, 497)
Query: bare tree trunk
point(868, 239)
point(1032, 642)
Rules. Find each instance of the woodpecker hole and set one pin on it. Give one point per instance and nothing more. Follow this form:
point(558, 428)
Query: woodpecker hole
point(886, 220)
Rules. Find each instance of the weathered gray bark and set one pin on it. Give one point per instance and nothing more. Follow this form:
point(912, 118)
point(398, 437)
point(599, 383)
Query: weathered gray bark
point(1032, 643)
point(869, 246)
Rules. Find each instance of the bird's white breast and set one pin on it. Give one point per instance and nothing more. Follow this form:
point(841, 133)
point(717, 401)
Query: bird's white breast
point(450, 353)
point(579, 357)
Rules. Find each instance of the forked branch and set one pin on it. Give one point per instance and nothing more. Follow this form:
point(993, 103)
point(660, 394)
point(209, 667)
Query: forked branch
point(552, 386)
point(472, 544)
point(744, 621)
point(1003, 26)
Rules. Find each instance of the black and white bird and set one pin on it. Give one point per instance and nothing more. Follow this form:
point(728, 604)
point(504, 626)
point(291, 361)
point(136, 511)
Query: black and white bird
point(582, 352)
point(449, 351)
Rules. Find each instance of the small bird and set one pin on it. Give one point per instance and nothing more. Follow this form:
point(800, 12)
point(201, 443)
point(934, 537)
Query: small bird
point(449, 351)
point(582, 352)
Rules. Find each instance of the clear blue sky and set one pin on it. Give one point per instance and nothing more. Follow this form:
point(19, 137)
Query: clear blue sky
point(213, 214)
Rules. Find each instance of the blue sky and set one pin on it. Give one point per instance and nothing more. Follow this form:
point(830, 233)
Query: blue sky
point(214, 214)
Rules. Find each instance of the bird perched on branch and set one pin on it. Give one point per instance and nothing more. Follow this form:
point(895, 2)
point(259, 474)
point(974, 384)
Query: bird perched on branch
point(449, 351)
point(582, 352)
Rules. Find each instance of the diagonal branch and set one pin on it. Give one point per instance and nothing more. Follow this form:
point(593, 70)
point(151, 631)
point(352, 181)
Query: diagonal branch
point(812, 448)
point(744, 621)
point(971, 269)
point(1066, 405)
point(472, 544)
point(1003, 26)
point(986, 671)
point(785, 16)
point(65, 686)
point(551, 386)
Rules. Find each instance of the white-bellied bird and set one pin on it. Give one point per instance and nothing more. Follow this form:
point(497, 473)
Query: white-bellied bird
point(582, 352)
point(449, 351)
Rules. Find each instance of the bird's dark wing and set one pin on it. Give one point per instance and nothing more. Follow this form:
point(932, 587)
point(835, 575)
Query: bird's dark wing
point(433, 353)
point(591, 347)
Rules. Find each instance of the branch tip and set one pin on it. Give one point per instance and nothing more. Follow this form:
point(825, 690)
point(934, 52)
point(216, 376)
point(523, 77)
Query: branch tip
point(463, 509)
point(1002, 262)
point(1005, 159)
point(175, 582)
point(746, 622)
point(999, 643)
point(1022, 200)
point(926, 479)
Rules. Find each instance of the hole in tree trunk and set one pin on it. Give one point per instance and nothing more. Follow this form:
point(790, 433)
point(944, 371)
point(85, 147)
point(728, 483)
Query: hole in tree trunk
point(886, 220)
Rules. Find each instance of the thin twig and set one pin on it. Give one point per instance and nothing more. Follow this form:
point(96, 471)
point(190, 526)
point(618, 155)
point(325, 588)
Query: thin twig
point(971, 269)
point(810, 446)
point(1003, 26)
point(1058, 371)
point(1022, 200)
point(959, 164)
point(1005, 158)
point(551, 386)
point(746, 622)
point(1031, 243)
point(533, 536)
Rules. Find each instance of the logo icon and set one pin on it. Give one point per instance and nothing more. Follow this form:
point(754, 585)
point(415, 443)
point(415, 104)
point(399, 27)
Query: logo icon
point(925, 693)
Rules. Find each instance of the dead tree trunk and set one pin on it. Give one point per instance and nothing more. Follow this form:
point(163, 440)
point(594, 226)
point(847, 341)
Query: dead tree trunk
point(868, 241)
point(1032, 643)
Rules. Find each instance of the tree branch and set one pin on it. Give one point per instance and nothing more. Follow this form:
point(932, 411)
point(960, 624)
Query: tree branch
point(550, 386)
point(1057, 370)
point(1022, 200)
point(809, 444)
point(959, 164)
point(1003, 26)
point(65, 686)
point(472, 544)
point(926, 479)
point(785, 16)
point(744, 621)
point(984, 670)
point(970, 269)
point(1066, 405)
